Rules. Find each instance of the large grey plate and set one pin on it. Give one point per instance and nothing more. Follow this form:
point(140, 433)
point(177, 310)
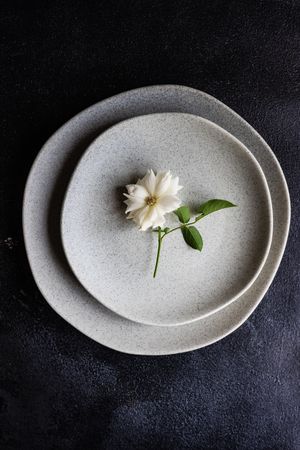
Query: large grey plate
point(113, 261)
point(41, 223)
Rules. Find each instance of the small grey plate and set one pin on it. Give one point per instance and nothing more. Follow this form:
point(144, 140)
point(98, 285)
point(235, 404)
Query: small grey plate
point(114, 262)
point(45, 189)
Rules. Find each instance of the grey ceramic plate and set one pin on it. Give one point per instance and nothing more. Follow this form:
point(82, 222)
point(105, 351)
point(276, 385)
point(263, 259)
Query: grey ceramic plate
point(43, 198)
point(114, 262)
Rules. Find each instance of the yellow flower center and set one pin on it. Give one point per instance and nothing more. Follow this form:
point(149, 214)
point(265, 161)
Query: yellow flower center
point(151, 200)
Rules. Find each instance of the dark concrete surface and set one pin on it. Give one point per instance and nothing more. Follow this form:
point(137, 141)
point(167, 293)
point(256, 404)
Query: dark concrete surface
point(59, 389)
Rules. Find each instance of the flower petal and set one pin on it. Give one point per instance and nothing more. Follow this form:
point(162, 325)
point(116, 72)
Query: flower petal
point(140, 215)
point(163, 187)
point(163, 180)
point(168, 203)
point(131, 215)
point(149, 219)
point(133, 204)
point(173, 187)
point(137, 190)
point(159, 221)
point(149, 182)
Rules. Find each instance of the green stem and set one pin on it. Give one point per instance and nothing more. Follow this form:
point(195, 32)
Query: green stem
point(183, 225)
point(161, 235)
point(158, 252)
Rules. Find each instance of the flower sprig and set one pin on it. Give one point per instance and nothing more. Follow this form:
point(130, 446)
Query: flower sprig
point(190, 233)
point(153, 196)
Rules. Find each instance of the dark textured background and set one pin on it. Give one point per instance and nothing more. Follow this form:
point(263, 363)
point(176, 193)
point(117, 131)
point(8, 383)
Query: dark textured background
point(59, 389)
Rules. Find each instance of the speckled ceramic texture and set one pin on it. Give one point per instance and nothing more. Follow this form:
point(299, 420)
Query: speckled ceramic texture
point(43, 198)
point(114, 262)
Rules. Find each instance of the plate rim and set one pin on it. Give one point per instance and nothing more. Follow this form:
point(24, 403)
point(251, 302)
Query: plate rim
point(198, 96)
point(83, 158)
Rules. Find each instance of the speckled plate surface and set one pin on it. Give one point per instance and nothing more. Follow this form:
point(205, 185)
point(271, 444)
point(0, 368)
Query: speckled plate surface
point(45, 190)
point(114, 262)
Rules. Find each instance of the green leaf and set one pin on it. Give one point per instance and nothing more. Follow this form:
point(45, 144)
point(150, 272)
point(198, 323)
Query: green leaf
point(192, 237)
point(213, 206)
point(183, 214)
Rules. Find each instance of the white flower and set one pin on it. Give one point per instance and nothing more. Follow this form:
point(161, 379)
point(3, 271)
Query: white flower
point(151, 198)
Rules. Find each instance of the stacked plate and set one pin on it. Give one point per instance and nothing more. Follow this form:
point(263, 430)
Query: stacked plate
point(94, 267)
